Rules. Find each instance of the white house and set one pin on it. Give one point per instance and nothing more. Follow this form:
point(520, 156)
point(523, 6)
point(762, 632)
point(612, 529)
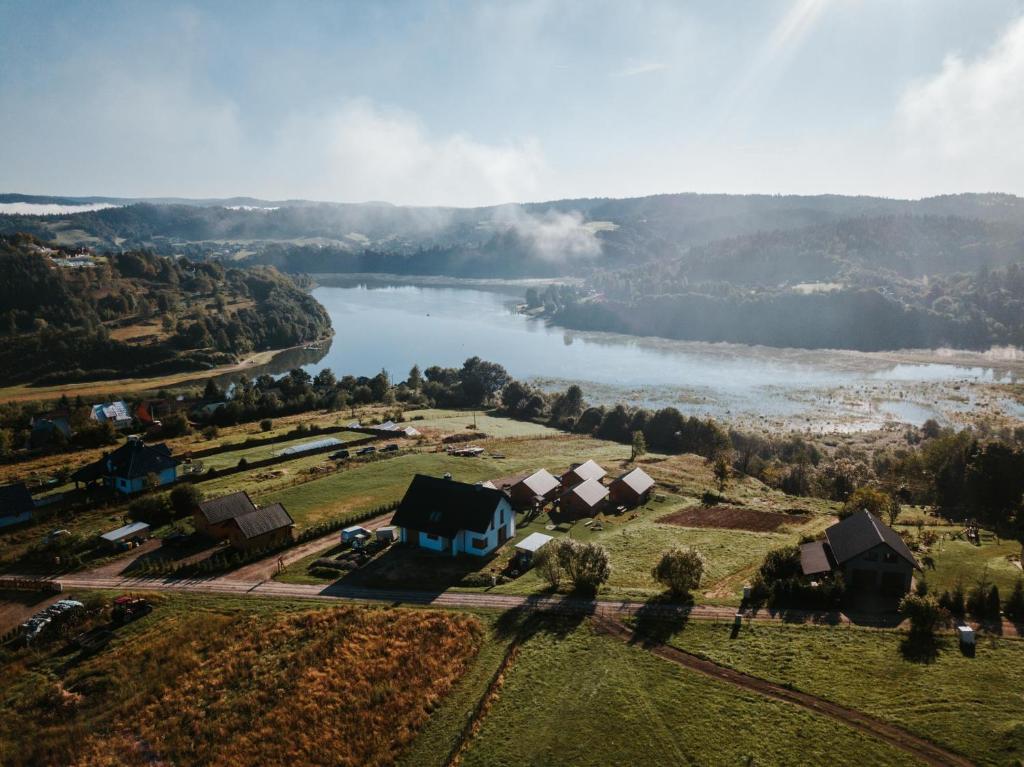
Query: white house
point(454, 517)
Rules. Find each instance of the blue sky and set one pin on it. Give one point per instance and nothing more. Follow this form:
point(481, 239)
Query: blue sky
point(477, 103)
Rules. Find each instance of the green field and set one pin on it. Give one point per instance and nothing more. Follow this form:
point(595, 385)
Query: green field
point(575, 697)
point(262, 452)
point(963, 562)
point(970, 705)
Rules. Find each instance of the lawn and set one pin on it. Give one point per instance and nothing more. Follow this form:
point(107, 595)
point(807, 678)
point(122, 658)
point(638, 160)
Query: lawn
point(220, 681)
point(970, 705)
point(963, 562)
point(574, 697)
point(635, 540)
point(262, 452)
point(459, 421)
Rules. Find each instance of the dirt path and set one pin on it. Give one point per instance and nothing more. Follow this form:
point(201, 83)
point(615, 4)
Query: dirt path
point(922, 749)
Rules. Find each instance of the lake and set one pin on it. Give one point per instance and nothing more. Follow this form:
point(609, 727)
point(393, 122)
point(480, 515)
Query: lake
point(393, 326)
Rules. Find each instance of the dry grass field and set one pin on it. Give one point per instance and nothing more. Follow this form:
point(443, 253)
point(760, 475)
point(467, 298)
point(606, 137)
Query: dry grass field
point(203, 682)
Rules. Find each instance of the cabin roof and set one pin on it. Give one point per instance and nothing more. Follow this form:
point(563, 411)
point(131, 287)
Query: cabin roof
point(444, 507)
point(264, 520)
point(637, 480)
point(227, 507)
point(590, 492)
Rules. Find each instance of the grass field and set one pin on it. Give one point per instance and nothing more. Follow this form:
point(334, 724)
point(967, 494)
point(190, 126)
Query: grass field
point(574, 697)
point(963, 562)
point(971, 705)
point(212, 681)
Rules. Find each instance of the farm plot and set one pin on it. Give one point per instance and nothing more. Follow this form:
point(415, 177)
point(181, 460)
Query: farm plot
point(207, 681)
point(733, 518)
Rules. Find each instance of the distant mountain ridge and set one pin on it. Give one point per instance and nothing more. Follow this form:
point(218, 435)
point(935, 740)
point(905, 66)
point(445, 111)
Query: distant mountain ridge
point(555, 238)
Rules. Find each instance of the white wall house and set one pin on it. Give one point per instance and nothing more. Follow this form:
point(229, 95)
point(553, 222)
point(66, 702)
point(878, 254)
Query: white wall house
point(454, 518)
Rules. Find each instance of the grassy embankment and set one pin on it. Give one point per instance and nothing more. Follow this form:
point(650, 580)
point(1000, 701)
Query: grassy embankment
point(970, 705)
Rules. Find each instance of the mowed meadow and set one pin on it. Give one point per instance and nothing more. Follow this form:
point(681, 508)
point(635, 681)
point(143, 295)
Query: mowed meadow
point(205, 681)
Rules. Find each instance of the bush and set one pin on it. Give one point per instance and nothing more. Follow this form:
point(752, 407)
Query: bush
point(154, 510)
point(266, 424)
point(211, 432)
point(184, 498)
point(242, 462)
point(1014, 607)
point(175, 425)
point(680, 570)
point(925, 614)
point(546, 563)
point(586, 564)
point(781, 564)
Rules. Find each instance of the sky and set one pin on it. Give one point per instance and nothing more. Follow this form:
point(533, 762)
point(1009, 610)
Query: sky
point(454, 103)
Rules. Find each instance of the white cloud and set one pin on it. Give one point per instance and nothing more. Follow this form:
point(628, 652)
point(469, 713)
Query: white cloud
point(965, 123)
point(49, 209)
point(363, 152)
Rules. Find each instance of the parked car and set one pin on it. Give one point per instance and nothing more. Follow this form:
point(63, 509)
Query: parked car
point(340, 455)
point(366, 450)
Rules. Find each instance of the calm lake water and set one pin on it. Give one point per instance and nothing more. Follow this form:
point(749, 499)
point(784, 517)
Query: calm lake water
point(396, 326)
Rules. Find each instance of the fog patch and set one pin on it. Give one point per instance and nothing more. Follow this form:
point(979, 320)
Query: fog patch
point(50, 209)
point(553, 235)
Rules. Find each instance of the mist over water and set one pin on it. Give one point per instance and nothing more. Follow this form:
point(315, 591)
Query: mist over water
point(396, 326)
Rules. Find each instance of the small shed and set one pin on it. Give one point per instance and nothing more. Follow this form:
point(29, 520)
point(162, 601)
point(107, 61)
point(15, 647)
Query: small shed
point(122, 536)
point(586, 498)
point(527, 548)
point(631, 489)
point(387, 534)
point(349, 533)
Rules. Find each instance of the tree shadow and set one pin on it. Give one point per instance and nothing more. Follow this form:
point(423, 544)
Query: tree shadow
point(921, 648)
point(660, 618)
point(539, 615)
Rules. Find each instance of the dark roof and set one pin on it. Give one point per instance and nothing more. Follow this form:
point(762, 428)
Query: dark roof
point(444, 506)
point(814, 558)
point(15, 499)
point(227, 507)
point(132, 460)
point(860, 532)
point(637, 480)
point(264, 520)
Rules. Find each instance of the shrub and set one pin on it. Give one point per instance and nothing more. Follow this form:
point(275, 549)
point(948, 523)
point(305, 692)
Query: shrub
point(1014, 607)
point(586, 564)
point(781, 564)
point(546, 563)
point(680, 570)
point(184, 498)
point(266, 424)
point(154, 510)
point(211, 432)
point(925, 614)
point(242, 462)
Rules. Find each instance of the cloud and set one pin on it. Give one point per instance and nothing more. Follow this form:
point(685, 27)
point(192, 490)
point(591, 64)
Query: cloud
point(553, 235)
point(634, 67)
point(361, 151)
point(966, 121)
point(49, 209)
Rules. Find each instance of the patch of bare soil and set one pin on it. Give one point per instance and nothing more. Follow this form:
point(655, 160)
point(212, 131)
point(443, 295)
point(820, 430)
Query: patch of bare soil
point(731, 518)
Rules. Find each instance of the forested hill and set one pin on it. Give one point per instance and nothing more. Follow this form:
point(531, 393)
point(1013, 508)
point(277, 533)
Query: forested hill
point(68, 315)
point(562, 237)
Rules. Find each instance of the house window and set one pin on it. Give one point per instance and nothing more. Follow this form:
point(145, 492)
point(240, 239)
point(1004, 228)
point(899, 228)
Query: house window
point(479, 543)
point(435, 516)
point(890, 556)
point(430, 537)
